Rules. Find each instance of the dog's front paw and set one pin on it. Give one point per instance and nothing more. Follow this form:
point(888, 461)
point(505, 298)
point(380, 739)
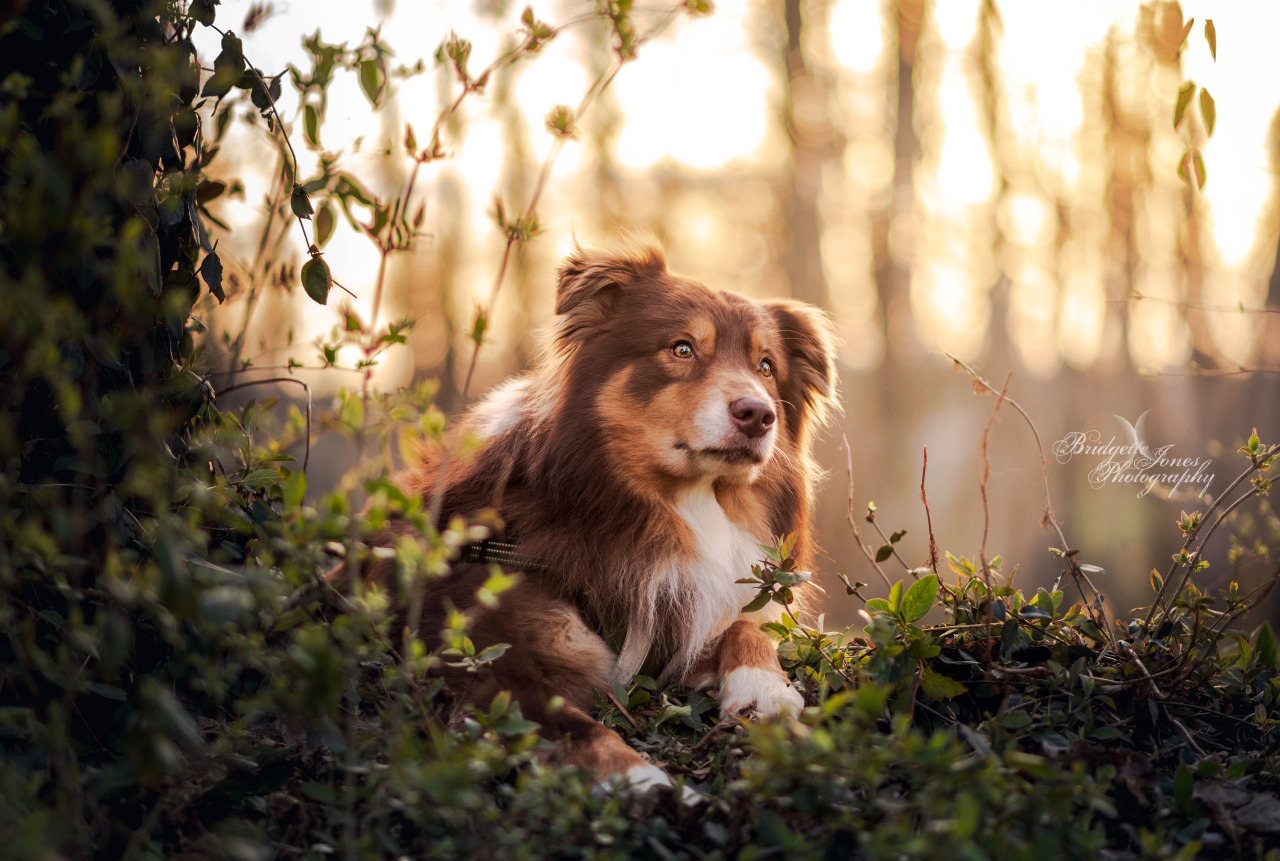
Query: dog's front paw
point(767, 691)
point(644, 780)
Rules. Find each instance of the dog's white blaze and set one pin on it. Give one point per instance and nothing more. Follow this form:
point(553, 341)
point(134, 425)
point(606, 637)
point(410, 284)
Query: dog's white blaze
point(765, 689)
point(712, 424)
point(725, 554)
point(501, 408)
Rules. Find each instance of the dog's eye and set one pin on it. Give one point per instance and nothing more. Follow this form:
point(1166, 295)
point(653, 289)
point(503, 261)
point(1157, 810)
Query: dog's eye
point(683, 350)
point(766, 369)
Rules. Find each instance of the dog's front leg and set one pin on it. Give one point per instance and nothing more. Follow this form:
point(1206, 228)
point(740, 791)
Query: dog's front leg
point(749, 674)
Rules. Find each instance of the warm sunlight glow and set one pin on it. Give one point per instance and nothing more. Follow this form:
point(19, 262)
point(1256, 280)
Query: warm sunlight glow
point(857, 34)
point(1032, 305)
point(950, 316)
point(1083, 314)
point(701, 98)
point(1158, 334)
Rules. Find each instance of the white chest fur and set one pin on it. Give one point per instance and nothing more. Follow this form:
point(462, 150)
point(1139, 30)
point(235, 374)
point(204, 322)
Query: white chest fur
point(707, 583)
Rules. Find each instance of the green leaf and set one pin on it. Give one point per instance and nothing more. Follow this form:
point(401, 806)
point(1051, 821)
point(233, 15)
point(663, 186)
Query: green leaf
point(670, 711)
point(260, 478)
point(202, 11)
point(325, 222)
point(492, 653)
point(515, 726)
point(897, 536)
point(1208, 113)
point(228, 66)
point(300, 202)
point(1186, 31)
point(940, 687)
point(895, 596)
point(920, 598)
point(111, 692)
point(1034, 613)
point(1183, 786)
point(211, 272)
point(787, 546)
point(317, 280)
point(791, 578)
point(759, 601)
point(260, 91)
point(311, 124)
point(371, 81)
point(1185, 92)
point(295, 488)
point(210, 190)
point(884, 552)
point(321, 792)
point(1211, 36)
point(1197, 162)
point(1266, 646)
point(1015, 719)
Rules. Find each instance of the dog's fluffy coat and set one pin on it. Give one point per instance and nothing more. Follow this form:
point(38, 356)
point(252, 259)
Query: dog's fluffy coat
point(664, 436)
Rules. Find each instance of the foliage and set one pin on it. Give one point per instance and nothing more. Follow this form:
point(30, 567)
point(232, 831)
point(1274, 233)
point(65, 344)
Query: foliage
point(177, 678)
point(1191, 164)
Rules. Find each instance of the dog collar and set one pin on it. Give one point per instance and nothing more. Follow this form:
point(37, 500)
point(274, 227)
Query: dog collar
point(494, 552)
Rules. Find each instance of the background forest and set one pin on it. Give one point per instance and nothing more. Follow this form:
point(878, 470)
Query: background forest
point(985, 180)
point(247, 264)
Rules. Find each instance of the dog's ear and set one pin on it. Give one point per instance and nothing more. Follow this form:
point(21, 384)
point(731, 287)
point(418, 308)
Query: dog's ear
point(809, 387)
point(590, 283)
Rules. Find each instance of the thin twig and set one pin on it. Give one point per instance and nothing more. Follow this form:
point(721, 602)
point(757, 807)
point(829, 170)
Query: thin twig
point(1195, 306)
point(1048, 518)
point(613, 698)
point(1221, 372)
point(982, 485)
point(306, 458)
point(1191, 537)
point(853, 523)
point(928, 517)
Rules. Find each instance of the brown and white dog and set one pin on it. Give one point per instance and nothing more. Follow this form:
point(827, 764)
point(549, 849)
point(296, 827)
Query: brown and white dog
point(664, 436)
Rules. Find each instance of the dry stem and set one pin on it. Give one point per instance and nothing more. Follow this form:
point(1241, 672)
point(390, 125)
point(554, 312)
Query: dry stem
point(928, 517)
point(1048, 519)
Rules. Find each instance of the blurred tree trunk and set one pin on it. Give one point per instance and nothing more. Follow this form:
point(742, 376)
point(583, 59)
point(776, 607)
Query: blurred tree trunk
point(809, 129)
point(891, 273)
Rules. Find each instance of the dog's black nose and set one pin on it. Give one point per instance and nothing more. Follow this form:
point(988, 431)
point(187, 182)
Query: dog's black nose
point(753, 417)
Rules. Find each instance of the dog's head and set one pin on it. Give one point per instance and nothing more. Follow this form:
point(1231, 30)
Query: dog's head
point(687, 383)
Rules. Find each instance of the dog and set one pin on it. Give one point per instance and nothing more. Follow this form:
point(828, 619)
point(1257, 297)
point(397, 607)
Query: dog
point(664, 436)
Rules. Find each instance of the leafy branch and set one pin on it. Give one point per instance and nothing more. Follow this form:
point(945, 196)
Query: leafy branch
point(1260, 459)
